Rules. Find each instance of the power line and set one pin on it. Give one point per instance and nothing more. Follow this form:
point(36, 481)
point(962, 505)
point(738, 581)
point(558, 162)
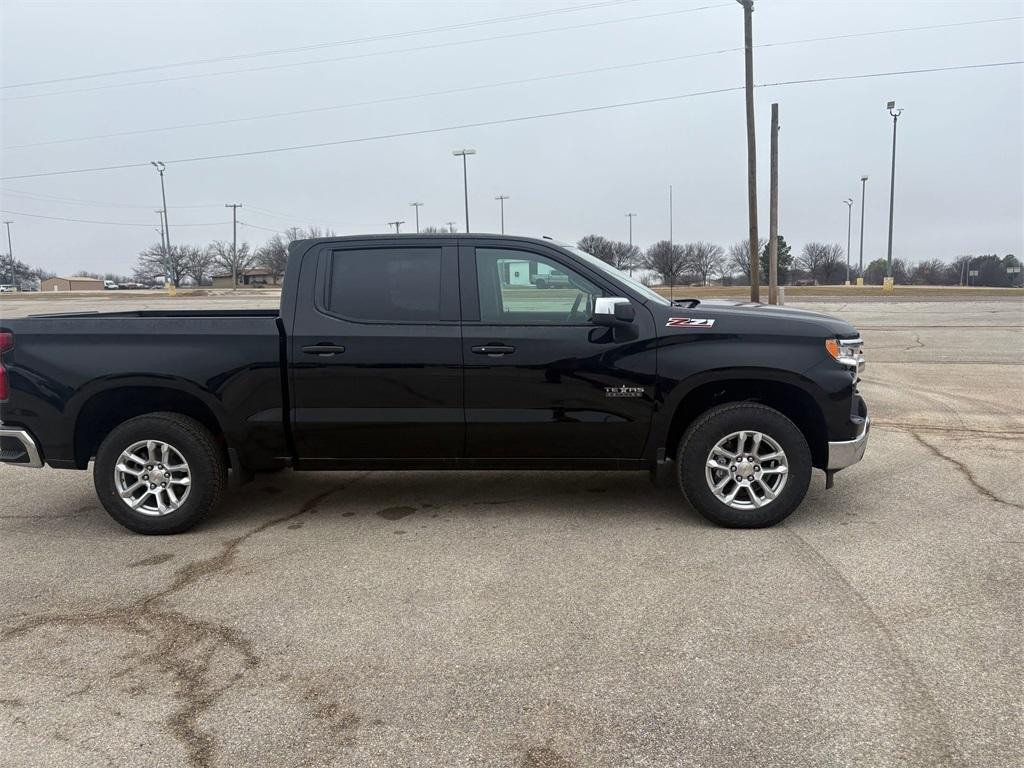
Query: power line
point(519, 81)
point(508, 120)
point(108, 223)
point(318, 46)
point(368, 54)
point(77, 201)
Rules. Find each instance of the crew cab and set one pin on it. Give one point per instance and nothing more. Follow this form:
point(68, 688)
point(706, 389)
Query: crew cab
point(426, 352)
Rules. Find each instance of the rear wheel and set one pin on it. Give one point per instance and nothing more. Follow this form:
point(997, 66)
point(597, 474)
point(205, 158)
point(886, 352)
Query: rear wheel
point(159, 473)
point(542, 283)
point(744, 465)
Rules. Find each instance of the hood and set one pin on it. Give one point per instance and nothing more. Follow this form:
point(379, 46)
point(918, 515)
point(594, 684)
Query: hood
point(727, 316)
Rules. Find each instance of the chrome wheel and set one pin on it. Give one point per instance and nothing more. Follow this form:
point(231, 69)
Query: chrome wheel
point(152, 477)
point(747, 470)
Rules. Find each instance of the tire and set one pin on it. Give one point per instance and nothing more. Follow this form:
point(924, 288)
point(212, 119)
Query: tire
point(188, 441)
point(723, 422)
point(542, 284)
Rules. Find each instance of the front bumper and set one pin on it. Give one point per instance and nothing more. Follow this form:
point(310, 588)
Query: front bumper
point(848, 452)
point(18, 448)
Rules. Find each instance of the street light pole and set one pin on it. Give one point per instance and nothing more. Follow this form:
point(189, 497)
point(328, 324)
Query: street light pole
point(397, 225)
point(630, 217)
point(848, 202)
point(163, 242)
point(417, 207)
point(501, 200)
point(465, 178)
point(895, 112)
point(160, 167)
point(234, 243)
point(451, 226)
point(863, 197)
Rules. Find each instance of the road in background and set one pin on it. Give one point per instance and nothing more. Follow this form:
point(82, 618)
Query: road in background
point(552, 620)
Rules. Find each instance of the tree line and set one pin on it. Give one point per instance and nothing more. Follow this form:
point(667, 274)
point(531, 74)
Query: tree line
point(195, 264)
point(817, 263)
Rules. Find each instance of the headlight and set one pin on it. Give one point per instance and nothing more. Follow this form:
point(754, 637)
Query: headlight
point(848, 352)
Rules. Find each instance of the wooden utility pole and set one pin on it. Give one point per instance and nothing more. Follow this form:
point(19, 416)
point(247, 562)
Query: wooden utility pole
point(234, 243)
point(773, 214)
point(748, 44)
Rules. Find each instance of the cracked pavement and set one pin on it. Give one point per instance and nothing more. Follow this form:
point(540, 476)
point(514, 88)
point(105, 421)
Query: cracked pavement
point(552, 620)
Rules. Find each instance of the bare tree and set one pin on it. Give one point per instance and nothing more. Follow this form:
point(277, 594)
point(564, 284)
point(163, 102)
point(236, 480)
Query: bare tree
point(824, 262)
point(705, 260)
point(626, 256)
point(930, 272)
point(737, 259)
point(273, 256)
point(597, 246)
point(198, 263)
point(152, 265)
point(665, 261)
point(435, 230)
point(231, 261)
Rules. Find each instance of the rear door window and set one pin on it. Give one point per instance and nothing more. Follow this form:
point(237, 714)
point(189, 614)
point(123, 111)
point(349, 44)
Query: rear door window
point(385, 285)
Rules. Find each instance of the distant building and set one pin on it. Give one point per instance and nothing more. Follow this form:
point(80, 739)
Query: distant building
point(256, 276)
point(71, 284)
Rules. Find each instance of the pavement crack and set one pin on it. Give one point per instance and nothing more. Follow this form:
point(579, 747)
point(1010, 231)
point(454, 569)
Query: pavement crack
point(918, 344)
point(204, 658)
point(966, 472)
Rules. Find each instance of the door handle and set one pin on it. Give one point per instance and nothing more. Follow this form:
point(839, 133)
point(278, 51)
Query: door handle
point(493, 350)
point(323, 349)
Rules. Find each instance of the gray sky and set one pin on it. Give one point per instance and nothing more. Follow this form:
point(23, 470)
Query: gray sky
point(960, 160)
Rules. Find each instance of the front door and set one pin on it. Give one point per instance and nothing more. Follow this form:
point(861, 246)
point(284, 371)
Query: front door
point(541, 381)
point(376, 360)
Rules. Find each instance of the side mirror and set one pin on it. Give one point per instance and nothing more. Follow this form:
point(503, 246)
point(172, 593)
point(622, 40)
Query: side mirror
point(613, 312)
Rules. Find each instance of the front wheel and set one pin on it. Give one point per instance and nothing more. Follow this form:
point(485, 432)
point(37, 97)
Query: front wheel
point(744, 465)
point(159, 473)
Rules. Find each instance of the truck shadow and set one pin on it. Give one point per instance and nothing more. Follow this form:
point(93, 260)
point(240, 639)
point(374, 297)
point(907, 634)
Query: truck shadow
point(392, 496)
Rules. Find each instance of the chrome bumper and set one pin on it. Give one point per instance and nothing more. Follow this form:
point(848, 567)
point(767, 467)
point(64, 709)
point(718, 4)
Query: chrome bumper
point(847, 452)
point(27, 455)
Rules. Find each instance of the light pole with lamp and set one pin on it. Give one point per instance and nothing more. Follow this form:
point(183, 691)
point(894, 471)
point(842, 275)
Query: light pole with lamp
point(463, 153)
point(895, 112)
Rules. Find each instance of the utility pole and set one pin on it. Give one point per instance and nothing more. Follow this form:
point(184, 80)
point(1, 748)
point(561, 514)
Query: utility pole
point(451, 226)
point(168, 283)
point(234, 243)
point(773, 212)
point(397, 225)
point(501, 200)
point(748, 45)
point(465, 178)
point(671, 247)
point(863, 197)
point(10, 248)
point(895, 112)
point(630, 217)
point(848, 202)
point(417, 207)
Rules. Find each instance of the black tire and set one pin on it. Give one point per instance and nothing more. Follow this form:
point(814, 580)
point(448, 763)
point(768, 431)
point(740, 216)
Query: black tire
point(714, 425)
point(206, 461)
point(541, 284)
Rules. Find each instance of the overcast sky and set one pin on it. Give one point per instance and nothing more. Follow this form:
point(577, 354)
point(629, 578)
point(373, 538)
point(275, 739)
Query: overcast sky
point(960, 162)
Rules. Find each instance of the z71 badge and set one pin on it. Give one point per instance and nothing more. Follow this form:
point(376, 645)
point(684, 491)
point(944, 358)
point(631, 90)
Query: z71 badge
point(690, 322)
point(623, 391)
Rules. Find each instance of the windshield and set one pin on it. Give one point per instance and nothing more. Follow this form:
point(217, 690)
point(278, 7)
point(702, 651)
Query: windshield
point(608, 269)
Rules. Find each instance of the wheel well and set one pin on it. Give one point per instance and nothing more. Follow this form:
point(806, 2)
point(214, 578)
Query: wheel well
point(106, 410)
point(793, 402)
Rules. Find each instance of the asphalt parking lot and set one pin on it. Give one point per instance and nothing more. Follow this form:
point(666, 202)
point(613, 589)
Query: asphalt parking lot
point(552, 620)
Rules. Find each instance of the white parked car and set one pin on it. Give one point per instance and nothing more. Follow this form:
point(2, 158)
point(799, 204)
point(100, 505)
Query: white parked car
point(109, 285)
point(8, 289)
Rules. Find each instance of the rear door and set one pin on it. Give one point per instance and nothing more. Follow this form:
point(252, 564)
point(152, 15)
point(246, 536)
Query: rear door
point(376, 356)
point(543, 382)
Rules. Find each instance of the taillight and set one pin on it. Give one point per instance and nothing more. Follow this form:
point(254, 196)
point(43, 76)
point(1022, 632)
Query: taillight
point(6, 344)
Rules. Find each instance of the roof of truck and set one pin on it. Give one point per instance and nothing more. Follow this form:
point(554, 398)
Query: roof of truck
point(543, 239)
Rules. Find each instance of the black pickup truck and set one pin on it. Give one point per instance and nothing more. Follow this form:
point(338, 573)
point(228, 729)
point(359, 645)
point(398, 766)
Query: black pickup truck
point(436, 352)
